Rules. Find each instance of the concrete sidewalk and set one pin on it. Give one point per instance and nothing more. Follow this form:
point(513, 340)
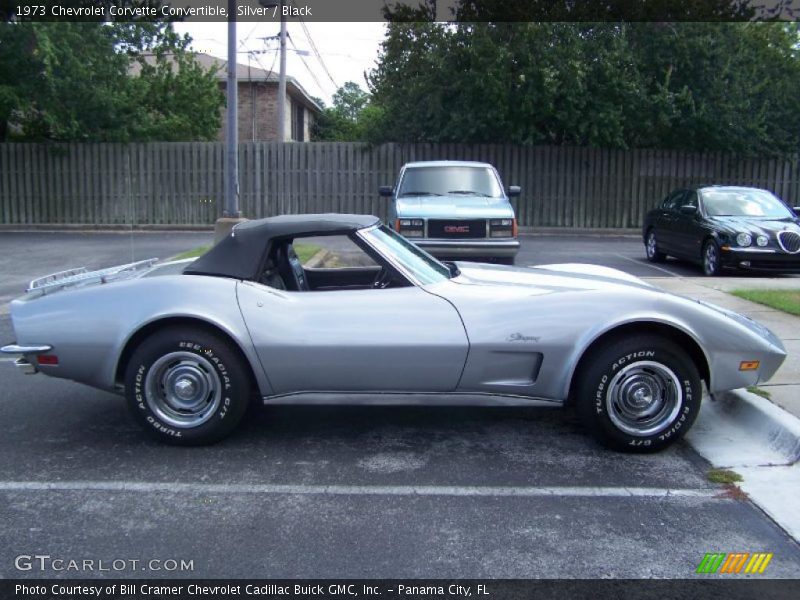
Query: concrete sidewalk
point(742, 431)
point(784, 387)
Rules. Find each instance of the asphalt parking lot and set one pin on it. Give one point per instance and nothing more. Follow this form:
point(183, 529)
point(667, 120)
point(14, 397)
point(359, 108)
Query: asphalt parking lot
point(625, 253)
point(349, 491)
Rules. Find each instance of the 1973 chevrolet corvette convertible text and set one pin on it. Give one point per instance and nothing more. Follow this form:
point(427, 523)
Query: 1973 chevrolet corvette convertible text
point(190, 343)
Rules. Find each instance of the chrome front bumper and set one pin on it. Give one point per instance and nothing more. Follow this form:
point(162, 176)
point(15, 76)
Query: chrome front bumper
point(760, 259)
point(490, 248)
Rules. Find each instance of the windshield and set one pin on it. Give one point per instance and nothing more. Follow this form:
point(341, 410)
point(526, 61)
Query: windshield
point(743, 203)
point(418, 263)
point(443, 181)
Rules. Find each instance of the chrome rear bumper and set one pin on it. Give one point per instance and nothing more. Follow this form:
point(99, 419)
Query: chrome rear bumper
point(22, 363)
point(15, 349)
point(25, 366)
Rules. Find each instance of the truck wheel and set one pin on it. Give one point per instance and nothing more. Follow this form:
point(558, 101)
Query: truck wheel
point(187, 386)
point(638, 394)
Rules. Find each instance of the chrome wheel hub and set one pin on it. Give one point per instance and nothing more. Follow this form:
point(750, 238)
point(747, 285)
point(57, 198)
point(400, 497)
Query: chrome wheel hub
point(183, 389)
point(711, 259)
point(644, 398)
point(651, 245)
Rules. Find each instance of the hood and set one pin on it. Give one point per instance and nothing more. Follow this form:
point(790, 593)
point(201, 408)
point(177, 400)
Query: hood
point(548, 278)
point(755, 225)
point(455, 206)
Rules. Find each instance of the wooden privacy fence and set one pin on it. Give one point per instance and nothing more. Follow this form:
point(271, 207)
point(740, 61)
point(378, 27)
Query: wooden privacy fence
point(183, 183)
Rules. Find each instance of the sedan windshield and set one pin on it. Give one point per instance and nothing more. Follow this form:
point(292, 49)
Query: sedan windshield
point(417, 262)
point(441, 181)
point(743, 203)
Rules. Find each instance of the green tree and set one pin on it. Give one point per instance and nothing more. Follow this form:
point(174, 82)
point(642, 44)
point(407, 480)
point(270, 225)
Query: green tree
point(695, 86)
point(346, 120)
point(72, 81)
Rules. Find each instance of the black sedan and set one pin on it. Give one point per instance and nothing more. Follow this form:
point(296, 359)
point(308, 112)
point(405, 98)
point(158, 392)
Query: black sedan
point(725, 226)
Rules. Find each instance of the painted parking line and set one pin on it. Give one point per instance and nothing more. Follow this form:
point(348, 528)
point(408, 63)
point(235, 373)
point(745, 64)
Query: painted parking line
point(648, 264)
point(356, 490)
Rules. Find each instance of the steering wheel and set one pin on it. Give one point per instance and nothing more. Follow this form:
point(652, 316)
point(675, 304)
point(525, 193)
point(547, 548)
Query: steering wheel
point(383, 279)
point(291, 268)
point(297, 269)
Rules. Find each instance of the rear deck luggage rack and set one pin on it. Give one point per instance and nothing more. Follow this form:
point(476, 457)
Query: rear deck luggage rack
point(82, 276)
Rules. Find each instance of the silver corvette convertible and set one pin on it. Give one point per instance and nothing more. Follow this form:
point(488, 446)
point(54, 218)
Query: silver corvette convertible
point(190, 344)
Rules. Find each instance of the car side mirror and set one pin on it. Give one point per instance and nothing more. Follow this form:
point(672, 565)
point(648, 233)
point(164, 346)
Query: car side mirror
point(514, 190)
point(688, 210)
point(386, 191)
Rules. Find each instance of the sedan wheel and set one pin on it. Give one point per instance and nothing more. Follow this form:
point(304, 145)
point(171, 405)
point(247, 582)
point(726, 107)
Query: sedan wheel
point(638, 394)
point(711, 266)
point(651, 248)
point(187, 386)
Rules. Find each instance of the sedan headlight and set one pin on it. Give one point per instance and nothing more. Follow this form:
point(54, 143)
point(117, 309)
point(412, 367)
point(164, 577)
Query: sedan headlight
point(762, 240)
point(744, 239)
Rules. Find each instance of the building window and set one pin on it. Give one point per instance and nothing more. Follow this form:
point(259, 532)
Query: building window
point(298, 122)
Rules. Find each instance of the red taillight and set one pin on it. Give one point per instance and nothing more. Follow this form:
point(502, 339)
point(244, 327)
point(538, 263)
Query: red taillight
point(47, 359)
point(397, 225)
point(514, 229)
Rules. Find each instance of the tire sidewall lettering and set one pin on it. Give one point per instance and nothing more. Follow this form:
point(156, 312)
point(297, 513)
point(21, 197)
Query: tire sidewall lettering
point(190, 346)
point(599, 397)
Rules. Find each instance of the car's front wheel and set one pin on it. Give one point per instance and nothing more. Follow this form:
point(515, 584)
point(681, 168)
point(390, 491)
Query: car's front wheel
point(651, 248)
point(638, 394)
point(711, 264)
point(187, 386)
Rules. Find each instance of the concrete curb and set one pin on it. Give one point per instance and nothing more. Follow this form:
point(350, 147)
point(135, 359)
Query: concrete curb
point(761, 442)
point(318, 259)
point(582, 231)
point(741, 429)
point(91, 228)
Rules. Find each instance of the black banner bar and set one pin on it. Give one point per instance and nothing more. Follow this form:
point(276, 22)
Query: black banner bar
point(401, 10)
point(729, 588)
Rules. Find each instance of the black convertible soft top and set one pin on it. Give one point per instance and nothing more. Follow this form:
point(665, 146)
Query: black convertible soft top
point(240, 254)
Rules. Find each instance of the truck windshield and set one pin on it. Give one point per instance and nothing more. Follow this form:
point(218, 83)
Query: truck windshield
point(441, 181)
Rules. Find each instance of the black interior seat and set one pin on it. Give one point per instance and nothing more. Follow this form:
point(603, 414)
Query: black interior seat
point(271, 276)
point(290, 268)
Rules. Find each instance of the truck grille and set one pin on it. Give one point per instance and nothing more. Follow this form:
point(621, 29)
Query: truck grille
point(789, 241)
point(456, 229)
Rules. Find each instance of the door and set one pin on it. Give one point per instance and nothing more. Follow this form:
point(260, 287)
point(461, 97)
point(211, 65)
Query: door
point(667, 227)
point(394, 339)
point(687, 228)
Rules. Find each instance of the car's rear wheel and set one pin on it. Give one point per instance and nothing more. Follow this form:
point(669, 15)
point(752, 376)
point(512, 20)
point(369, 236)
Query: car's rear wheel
point(711, 264)
point(651, 248)
point(638, 394)
point(187, 386)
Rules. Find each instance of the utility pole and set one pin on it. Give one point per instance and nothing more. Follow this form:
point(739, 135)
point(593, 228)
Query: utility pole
point(278, 5)
point(232, 132)
point(231, 214)
point(282, 81)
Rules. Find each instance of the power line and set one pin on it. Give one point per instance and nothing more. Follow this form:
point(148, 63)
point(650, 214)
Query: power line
point(247, 37)
point(316, 52)
point(308, 67)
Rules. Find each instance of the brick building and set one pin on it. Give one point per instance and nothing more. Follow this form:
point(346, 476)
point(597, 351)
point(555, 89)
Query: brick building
point(258, 103)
